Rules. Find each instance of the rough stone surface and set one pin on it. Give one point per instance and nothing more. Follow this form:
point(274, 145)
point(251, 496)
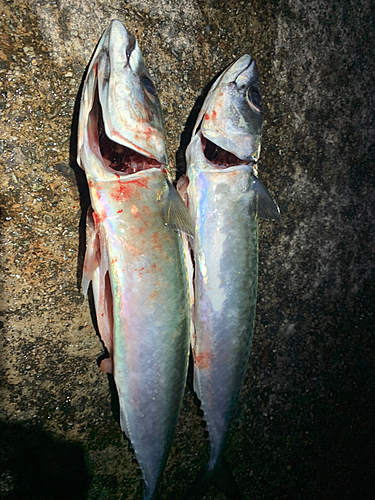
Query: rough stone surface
point(305, 422)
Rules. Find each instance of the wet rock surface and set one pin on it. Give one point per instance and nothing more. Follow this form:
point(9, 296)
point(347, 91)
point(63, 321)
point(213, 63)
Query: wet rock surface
point(304, 425)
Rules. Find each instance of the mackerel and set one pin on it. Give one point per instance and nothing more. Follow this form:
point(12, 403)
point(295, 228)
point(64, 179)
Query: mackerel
point(225, 199)
point(134, 256)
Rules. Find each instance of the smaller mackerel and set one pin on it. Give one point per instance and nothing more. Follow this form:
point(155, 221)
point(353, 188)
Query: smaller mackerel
point(134, 258)
point(225, 199)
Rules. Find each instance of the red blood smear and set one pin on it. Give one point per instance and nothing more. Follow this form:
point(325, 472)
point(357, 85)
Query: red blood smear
point(202, 360)
point(124, 190)
point(96, 218)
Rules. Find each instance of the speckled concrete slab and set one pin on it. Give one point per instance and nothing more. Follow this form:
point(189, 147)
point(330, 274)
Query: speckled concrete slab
point(304, 425)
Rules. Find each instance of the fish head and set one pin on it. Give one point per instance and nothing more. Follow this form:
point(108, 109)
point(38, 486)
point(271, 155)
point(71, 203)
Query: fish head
point(120, 111)
point(231, 116)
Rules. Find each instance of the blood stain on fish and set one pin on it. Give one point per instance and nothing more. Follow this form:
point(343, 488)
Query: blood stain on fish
point(124, 190)
point(135, 212)
point(96, 218)
point(202, 360)
point(99, 217)
point(133, 249)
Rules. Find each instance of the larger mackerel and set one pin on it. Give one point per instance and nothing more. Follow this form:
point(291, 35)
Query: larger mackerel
point(134, 258)
point(224, 198)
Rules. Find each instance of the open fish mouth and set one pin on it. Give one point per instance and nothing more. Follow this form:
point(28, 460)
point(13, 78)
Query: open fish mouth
point(121, 126)
point(116, 156)
point(219, 156)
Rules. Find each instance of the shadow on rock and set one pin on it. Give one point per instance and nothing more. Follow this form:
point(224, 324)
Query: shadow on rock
point(36, 466)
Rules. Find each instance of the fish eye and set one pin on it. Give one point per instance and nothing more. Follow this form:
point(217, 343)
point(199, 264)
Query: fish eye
point(148, 85)
point(255, 98)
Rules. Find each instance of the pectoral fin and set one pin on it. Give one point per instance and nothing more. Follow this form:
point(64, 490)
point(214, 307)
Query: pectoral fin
point(266, 206)
point(174, 211)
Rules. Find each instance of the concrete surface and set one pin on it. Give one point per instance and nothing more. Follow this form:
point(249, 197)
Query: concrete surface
point(305, 423)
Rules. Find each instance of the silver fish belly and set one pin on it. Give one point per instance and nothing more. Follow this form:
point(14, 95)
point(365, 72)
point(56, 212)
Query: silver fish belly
point(225, 198)
point(134, 258)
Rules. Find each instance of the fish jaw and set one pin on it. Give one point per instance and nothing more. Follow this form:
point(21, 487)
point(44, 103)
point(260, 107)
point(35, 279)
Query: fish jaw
point(118, 81)
point(231, 116)
point(149, 300)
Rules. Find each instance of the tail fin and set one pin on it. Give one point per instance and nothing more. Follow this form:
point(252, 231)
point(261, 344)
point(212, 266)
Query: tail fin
point(221, 477)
